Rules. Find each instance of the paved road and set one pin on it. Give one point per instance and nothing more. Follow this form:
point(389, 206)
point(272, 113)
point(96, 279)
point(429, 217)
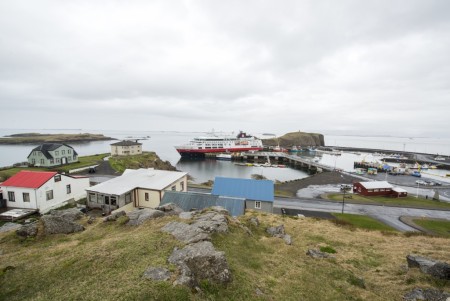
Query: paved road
point(388, 215)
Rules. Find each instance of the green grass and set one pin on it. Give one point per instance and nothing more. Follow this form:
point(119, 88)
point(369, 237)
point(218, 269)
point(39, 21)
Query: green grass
point(409, 201)
point(439, 227)
point(144, 160)
point(361, 221)
point(107, 260)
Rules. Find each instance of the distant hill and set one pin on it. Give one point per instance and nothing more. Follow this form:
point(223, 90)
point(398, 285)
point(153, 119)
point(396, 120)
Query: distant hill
point(297, 139)
point(25, 138)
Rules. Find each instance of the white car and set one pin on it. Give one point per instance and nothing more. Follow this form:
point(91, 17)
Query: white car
point(421, 182)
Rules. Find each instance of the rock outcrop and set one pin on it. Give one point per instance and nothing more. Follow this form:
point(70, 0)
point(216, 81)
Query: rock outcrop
point(170, 209)
point(279, 232)
point(297, 139)
point(139, 216)
point(28, 230)
point(437, 269)
point(113, 217)
point(318, 254)
point(428, 294)
point(200, 261)
point(9, 227)
point(157, 273)
point(62, 221)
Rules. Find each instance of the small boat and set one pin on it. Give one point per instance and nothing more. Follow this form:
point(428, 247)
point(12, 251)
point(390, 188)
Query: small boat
point(293, 149)
point(256, 165)
point(316, 159)
point(439, 158)
point(223, 157)
point(416, 174)
point(281, 166)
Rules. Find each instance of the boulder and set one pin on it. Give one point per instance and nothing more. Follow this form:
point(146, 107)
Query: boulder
point(318, 254)
point(28, 230)
point(254, 221)
point(139, 216)
point(276, 231)
point(211, 222)
point(200, 261)
point(71, 214)
point(429, 266)
point(219, 209)
point(440, 270)
point(156, 273)
point(185, 233)
point(428, 294)
point(170, 209)
point(113, 217)
point(187, 215)
point(9, 227)
point(287, 239)
point(54, 224)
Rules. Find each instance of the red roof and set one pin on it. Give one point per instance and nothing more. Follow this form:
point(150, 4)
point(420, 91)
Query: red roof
point(29, 179)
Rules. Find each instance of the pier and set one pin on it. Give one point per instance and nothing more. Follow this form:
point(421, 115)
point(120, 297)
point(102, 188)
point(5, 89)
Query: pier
point(283, 158)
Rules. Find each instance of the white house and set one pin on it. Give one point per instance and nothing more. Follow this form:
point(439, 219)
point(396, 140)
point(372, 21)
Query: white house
point(42, 190)
point(126, 148)
point(136, 188)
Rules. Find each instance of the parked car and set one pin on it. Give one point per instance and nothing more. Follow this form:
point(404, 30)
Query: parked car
point(421, 182)
point(431, 183)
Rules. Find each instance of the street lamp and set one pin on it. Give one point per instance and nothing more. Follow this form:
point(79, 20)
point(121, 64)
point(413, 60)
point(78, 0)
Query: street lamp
point(343, 199)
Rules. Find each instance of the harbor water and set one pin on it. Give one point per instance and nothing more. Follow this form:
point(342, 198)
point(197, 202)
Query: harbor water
point(203, 170)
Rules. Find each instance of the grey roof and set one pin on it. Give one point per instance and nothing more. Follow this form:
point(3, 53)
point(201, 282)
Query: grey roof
point(138, 178)
point(46, 147)
point(188, 201)
point(126, 143)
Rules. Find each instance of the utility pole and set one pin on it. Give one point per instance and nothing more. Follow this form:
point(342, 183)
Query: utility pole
point(343, 200)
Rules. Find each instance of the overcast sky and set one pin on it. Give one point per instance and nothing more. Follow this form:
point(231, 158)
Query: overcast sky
point(260, 66)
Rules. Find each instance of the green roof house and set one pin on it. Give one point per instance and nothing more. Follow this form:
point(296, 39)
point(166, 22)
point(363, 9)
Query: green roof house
point(52, 154)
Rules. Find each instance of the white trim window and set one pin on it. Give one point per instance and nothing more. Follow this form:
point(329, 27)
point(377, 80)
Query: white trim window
point(49, 195)
point(11, 196)
point(26, 197)
point(257, 204)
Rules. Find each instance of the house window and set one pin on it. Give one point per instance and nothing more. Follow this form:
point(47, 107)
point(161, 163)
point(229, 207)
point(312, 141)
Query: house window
point(33, 161)
point(58, 160)
point(63, 152)
point(49, 195)
point(92, 197)
point(68, 189)
point(128, 198)
point(11, 196)
point(69, 151)
point(57, 178)
point(52, 161)
point(57, 153)
point(42, 161)
point(182, 186)
point(147, 198)
point(26, 197)
point(375, 190)
point(106, 200)
point(113, 201)
point(257, 205)
point(174, 188)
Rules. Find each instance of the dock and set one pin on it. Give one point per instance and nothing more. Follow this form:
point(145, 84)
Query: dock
point(283, 158)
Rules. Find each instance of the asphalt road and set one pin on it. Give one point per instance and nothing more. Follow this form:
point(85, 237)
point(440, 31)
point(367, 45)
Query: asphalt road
point(388, 215)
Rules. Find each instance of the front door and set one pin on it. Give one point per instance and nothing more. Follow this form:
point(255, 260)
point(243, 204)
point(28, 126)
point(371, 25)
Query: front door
point(64, 160)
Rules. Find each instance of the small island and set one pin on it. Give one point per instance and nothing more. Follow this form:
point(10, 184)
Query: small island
point(297, 139)
point(36, 138)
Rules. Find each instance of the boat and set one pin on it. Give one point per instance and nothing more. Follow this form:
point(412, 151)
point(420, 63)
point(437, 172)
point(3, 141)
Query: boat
point(439, 158)
point(277, 149)
point(213, 143)
point(293, 149)
point(223, 157)
point(316, 159)
point(416, 174)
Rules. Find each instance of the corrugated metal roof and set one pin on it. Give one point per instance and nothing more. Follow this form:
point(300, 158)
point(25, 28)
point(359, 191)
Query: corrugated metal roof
point(259, 190)
point(29, 179)
point(398, 189)
point(376, 185)
point(188, 201)
point(139, 178)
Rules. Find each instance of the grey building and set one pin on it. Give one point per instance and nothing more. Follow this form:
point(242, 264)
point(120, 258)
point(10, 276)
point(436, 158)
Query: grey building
point(52, 154)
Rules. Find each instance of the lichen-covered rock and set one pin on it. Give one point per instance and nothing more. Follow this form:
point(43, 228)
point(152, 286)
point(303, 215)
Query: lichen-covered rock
point(211, 222)
point(254, 221)
point(429, 266)
point(28, 230)
point(219, 209)
point(287, 239)
point(318, 254)
point(157, 273)
point(170, 209)
point(71, 214)
point(276, 231)
point(187, 215)
point(54, 224)
point(139, 216)
point(9, 227)
point(185, 233)
point(200, 261)
point(428, 294)
point(113, 217)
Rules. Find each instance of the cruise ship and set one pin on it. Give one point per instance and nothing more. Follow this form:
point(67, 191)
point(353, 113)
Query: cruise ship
point(199, 146)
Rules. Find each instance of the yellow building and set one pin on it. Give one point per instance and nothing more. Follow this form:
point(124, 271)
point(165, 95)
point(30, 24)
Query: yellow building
point(126, 148)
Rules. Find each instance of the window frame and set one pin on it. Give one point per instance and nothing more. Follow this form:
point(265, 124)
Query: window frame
point(257, 204)
point(49, 195)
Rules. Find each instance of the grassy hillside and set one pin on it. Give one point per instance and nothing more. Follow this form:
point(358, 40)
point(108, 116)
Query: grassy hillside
point(106, 262)
point(296, 138)
point(145, 160)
